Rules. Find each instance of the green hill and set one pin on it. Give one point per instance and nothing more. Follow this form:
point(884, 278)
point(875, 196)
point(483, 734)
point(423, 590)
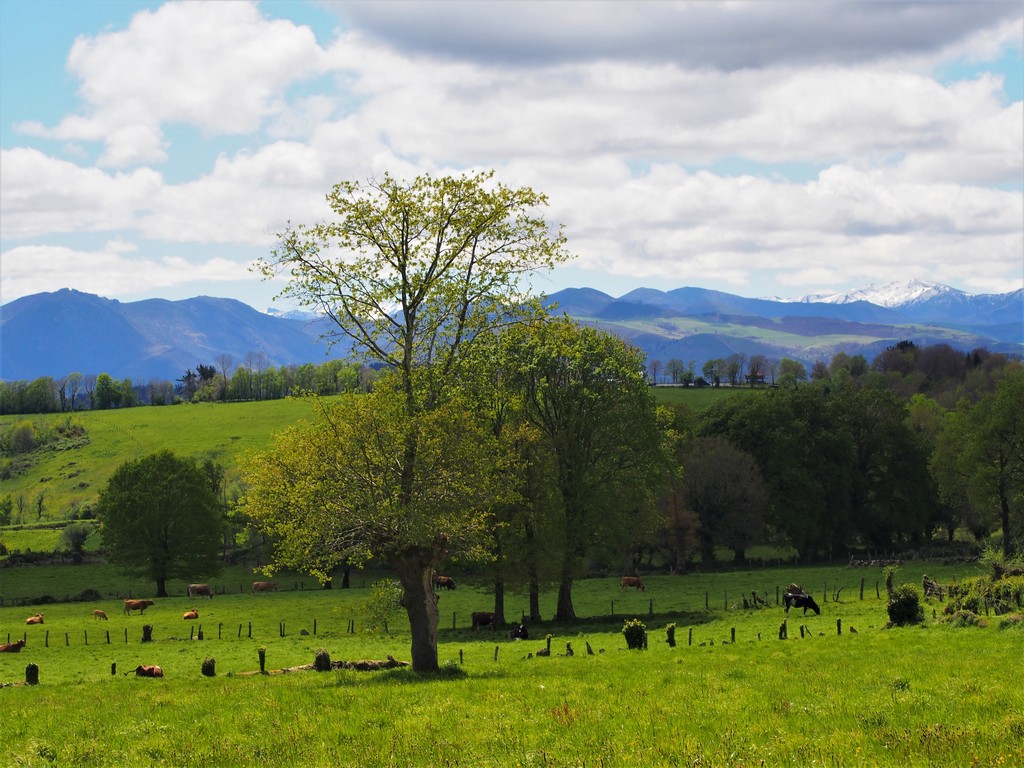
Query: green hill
point(69, 475)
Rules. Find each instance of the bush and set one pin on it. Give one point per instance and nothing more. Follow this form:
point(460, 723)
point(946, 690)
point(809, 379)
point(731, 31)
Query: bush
point(905, 606)
point(384, 603)
point(965, 619)
point(635, 632)
point(1013, 621)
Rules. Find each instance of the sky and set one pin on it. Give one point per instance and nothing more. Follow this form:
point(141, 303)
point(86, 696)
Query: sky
point(765, 149)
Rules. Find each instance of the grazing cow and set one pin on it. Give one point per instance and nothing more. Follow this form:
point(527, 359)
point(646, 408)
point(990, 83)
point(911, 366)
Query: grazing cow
point(200, 590)
point(148, 670)
point(98, 614)
point(136, 605)
point(801, 600)
point(632, 581)
point(484, 619)
point(37, 619)
point(444, 582)
point(14, 647)
point(264, 586)
point(193, 614)
point(519, 633)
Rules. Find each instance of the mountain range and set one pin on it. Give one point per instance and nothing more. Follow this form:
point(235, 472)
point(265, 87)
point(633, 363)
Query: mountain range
point(53, 334)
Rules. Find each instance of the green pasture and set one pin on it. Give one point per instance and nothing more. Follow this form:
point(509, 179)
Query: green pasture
point(730, 692)
point(72, 479)
point(698, 397)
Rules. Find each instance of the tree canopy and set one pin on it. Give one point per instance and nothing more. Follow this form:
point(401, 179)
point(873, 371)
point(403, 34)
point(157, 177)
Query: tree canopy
point(161, 519)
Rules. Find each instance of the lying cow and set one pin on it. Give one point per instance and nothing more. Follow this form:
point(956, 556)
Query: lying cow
point(200, 590)
point(264, 586)
point(190, 615)
point(148, 670)
point(444, 582)
point(519, 632)
point(632, 581)
point(99, 615)
point(136, 605)
point(14, 647)
point(37, 619)
point(484, 619)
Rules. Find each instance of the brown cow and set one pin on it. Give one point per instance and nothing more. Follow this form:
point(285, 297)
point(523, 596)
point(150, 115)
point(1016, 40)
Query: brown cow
point(444, 582)
point(632, 581)
point(193, 614)
point(148, 670)
point(200, 590)
point(98, 614)
point(136, 605)
point(14, 647)
point(264, 586)
point(484, 619)
point(37, 619)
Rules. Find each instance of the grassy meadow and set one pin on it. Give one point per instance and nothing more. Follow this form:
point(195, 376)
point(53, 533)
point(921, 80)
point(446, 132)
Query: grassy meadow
point(70, 477)
point(730, 693)
point(73, 477)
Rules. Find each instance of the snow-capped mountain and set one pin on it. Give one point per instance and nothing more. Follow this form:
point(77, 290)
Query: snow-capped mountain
point(892, 295)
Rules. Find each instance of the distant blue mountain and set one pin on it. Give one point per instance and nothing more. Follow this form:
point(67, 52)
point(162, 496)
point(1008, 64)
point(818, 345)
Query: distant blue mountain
point(54, 334)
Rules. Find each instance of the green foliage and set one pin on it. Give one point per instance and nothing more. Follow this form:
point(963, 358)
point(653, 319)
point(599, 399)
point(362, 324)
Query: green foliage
point(635, 632)
point(904, 606)
point(161, 517)
point(384, 604)
point(74, 536)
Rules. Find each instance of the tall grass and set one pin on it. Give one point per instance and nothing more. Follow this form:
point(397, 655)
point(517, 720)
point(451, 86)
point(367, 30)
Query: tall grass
point(931, 695)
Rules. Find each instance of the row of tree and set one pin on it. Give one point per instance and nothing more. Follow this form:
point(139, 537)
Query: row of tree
point(253, 380)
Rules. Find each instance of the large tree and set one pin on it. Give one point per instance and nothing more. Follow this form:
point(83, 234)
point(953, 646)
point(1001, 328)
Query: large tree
point(161, 519)
point(723, 485)
point(586, 392)
point(411, 275)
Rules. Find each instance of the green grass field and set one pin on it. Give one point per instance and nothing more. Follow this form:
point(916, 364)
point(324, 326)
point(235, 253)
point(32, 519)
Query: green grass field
point(922, 696)
point(72, 479)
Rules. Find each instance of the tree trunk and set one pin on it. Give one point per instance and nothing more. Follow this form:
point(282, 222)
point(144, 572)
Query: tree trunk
point(161, 587)
point(531, 568)
point(565, 611)
point(415, 572)
point(499, 602)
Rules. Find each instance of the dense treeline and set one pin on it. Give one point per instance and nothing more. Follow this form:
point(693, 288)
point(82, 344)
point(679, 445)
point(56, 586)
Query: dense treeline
point(252, 380)
point(875, 458)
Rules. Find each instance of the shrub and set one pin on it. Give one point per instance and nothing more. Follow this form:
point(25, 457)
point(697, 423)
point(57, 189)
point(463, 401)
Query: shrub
point(635, 632)
point(384, 603)
point(904, 606)
point(1013, 621)
point(965, 619)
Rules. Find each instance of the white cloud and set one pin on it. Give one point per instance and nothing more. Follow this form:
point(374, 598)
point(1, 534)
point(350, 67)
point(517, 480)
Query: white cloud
point(41, 194)
point(835, 161)
point(219, 66)
point(114, 270)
